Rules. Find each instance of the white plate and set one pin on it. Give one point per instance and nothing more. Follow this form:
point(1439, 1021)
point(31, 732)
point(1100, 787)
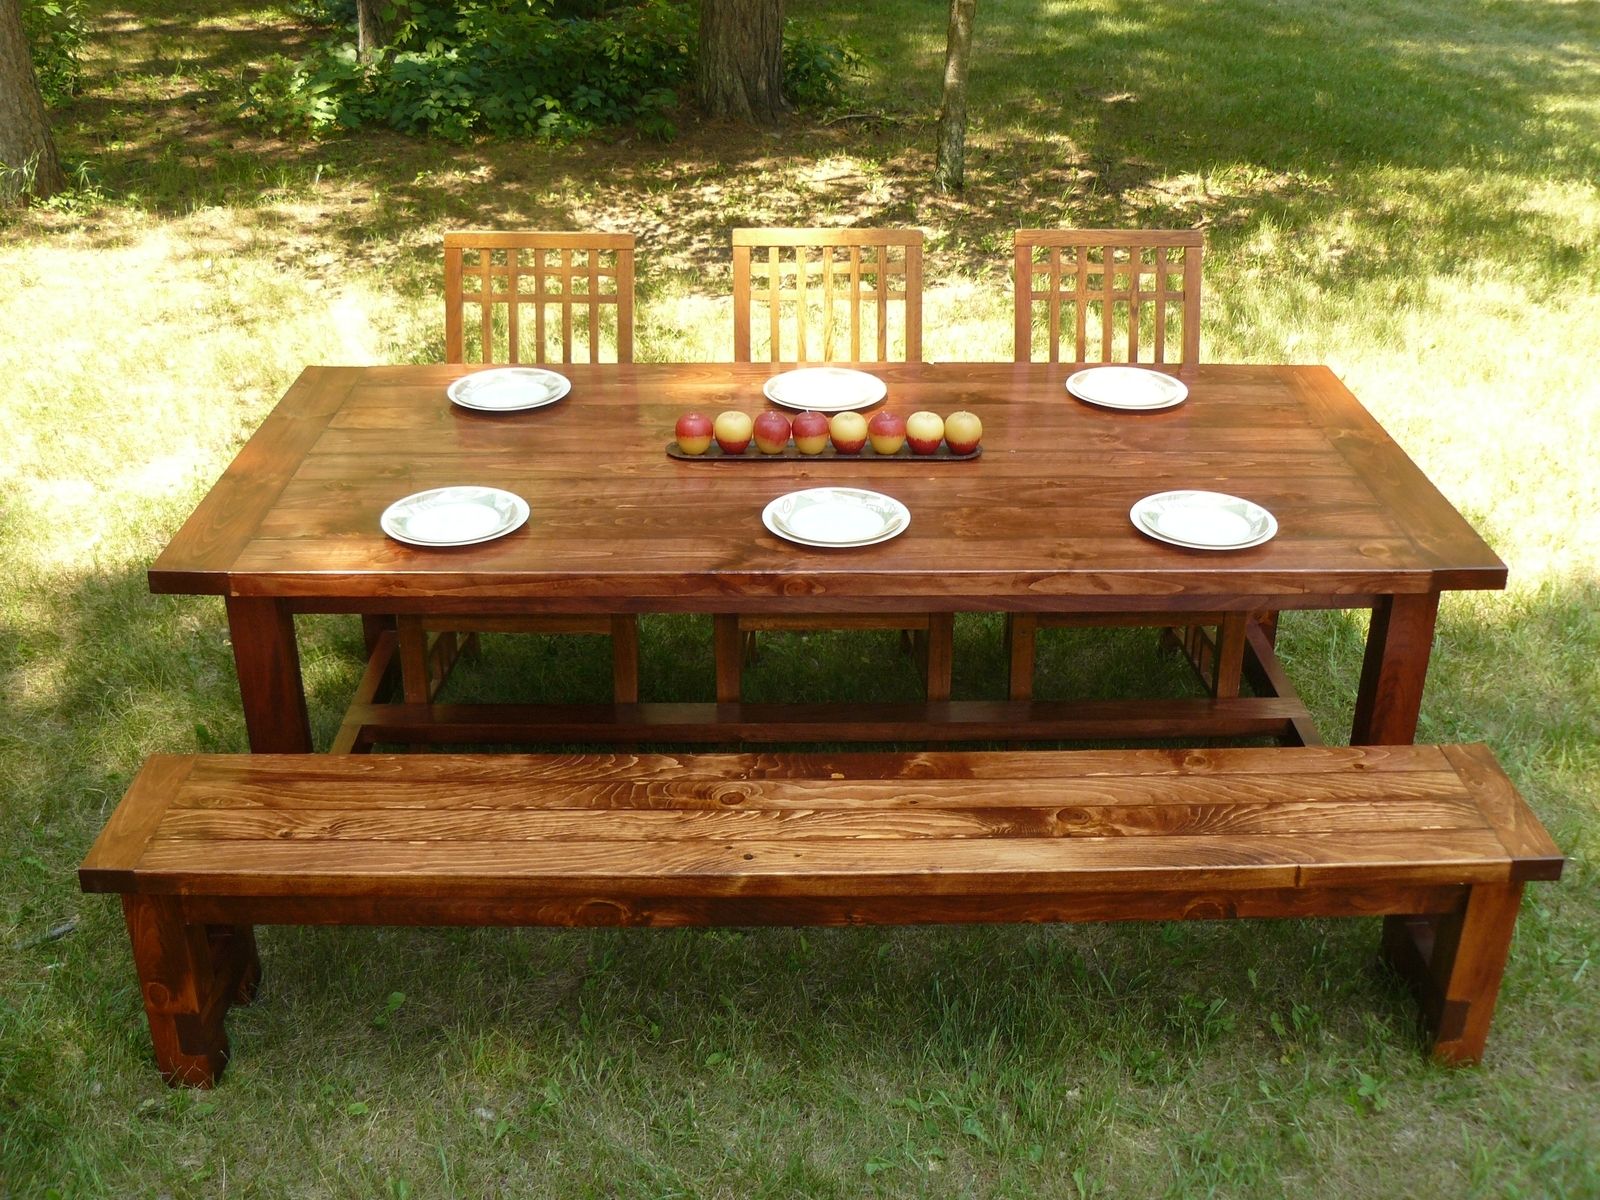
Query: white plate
point(836, 517)
point(1132, 389)
point(1203, 520)
point(825, 389)
point(509, 389)
point(454, 516)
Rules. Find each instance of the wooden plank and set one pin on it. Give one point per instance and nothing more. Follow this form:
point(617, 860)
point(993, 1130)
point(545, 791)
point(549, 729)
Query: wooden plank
point(934, 721)
point(441, 822)
point(682, 911)
point(111, 861)
point(825, 867)
point(1535, 854)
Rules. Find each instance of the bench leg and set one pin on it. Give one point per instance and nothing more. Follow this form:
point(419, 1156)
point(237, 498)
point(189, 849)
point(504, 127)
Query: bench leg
point(1454, 964)
point(188, 976)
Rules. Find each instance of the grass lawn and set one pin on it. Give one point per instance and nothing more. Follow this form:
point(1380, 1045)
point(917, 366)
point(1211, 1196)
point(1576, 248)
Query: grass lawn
point(1406, 192)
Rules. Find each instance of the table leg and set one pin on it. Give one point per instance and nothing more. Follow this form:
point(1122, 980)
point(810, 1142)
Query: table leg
point(1394, 670)
point(267, 661)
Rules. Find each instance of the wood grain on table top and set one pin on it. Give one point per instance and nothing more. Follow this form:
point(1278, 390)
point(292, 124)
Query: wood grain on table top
point(1039, 521)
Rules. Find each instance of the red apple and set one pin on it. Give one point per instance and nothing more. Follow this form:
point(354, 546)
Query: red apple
point(772, 432)
point(732, 430)
point(694, 433)
point(962, 432)
point(887, 431)
point(924, 430)
point(849, 432)
point(810, 432)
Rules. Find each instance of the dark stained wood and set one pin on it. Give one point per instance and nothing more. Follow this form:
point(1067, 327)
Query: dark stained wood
point(268, 661)
point(203, 848)
point(1394, 669)
point(934, 721)
point(1039, 524)
point(1267, 677)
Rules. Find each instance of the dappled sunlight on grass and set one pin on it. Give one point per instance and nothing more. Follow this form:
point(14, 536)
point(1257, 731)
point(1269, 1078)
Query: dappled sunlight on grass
point(1404, 192)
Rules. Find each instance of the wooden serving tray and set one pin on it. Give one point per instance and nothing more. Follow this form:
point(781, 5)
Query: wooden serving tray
point(789, 453)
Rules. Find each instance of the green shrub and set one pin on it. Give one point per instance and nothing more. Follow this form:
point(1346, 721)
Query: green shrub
point(506, 67)
point(533, 68)
point(816, 71)
point(55, 30)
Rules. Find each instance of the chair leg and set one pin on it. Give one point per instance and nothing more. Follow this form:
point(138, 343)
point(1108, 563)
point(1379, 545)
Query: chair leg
point(1228, 667)
point(728, 650)
point(414, 671)
point(1022, 631)
point(625, 659)
point(939, 647)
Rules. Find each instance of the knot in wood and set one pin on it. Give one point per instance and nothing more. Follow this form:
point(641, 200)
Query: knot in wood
point(731, 794)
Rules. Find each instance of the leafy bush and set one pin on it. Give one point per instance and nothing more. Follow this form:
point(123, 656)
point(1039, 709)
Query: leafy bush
point(506, 67)
point(55, 30)
point(816, 70)
point(541, 68)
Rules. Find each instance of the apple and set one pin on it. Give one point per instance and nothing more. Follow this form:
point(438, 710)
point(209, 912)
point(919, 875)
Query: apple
point(772, 432)
point(849, 432)
point(962, 432)
point(924, 430)
point(694, 433)
point(732, 430)
point(887, 431)
point(810, 432)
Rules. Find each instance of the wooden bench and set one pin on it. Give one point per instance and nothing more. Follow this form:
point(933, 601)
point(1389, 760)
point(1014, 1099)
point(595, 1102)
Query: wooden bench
point(202, 848)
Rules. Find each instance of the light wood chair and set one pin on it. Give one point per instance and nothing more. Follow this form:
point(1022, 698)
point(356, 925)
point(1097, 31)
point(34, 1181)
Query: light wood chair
point(1135, 291)
point(574, 287)
point(574, 283)
point(829, 295)
point(1130, 296)
point(824, 284)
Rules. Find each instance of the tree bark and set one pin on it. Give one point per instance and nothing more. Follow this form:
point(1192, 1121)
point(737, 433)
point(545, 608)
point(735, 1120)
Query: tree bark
point(372, 32)
point(950, 172)
point(28, 161)
point(741, 60)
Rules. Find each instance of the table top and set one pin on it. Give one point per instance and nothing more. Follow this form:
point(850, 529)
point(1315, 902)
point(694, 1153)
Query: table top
point(1039, 522)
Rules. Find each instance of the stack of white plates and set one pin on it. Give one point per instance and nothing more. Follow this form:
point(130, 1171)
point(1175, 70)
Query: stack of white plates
point(836, 517)
point(1132, 389)
point(825, 389)
point(509, 389)
point(454, 516)
point(1203, 520)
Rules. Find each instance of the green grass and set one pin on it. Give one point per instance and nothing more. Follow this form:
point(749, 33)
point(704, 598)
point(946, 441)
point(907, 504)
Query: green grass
point(1404, 191)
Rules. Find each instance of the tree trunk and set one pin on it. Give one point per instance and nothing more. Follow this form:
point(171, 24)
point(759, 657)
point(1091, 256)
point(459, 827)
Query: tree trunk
point(28, 162)
point(741, 59)
point(950, 173)
point(372, 32)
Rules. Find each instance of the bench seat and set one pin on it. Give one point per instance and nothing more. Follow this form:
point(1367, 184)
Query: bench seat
point(204, 847)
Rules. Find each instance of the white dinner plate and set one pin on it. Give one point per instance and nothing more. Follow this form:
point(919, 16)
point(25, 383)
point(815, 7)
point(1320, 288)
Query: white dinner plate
point(454, 516)
point(1132, 389)
point(1203, 520)
point(835, 517)
point(509, 389)
point(825, 389)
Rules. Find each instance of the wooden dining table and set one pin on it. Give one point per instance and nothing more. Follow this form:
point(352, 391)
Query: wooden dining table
point(1038, 523)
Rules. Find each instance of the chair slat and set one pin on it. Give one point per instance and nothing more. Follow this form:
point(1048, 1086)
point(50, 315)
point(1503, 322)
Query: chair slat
point(814, 288)
point(567, 270)
point(1128, 311)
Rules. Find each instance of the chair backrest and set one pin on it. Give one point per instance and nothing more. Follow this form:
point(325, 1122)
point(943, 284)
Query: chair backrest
point(817, 283)
point(1106, 280)
point(575, 283)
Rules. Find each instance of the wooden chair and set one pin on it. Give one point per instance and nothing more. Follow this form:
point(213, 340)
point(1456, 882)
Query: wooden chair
point(1117, 295)
point(575, 283)
point(579, 286)
point(829, 295)
point(1135, 290)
